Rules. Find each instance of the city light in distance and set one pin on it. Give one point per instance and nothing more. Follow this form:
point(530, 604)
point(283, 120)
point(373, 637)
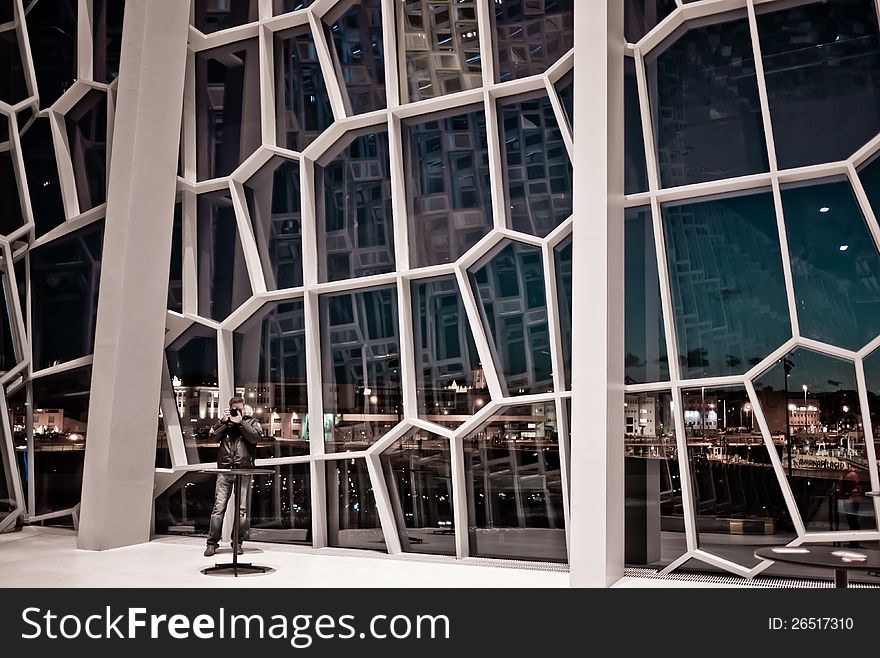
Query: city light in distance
point(844, 247)
point(824, 209)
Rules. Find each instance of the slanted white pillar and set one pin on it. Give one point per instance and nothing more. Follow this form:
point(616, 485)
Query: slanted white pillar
point(117, 493)
point(597, 424)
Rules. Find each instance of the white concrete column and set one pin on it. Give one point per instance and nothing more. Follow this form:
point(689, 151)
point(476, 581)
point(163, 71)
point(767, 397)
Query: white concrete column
point(117, 494)
point(597, 424)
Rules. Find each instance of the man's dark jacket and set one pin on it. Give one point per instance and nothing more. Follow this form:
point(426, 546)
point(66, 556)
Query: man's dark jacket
point(238, 442)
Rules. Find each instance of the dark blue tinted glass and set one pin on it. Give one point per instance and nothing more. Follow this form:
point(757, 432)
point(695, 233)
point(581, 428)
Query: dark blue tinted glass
point(537, 170)
point(65, 275)
point(52, 35)
point(872, 381)
point(636, 172)
point(728, 288)
point(450, 383)
point(449, 195)
point(641, 16)
point(12, 84)
point(214, 15)
point(644, 334)
point(353, 191)
point(822, 66)
point(87, 138)
point(175, 274)
point(834, 262)
point(531, 36)
point(273, 200)
point(565, 300)
point(107, 18)
point(509, 289)
point(360, 366)
point(355, 32)
point(352, 516)
point(565, 91)
point(704, 96)
point(44, 187)
point(284, 6)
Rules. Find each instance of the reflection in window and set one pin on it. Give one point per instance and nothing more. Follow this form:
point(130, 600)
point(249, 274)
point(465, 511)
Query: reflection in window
point(530, 36)
point(273, 201)
point(636, 172)
point(872, 383)
point(223, 278)
point(214, 15)
point(565, 91)
point(360, 365)
point(728, 290)
point(642, 16)
point(38, 153)
point(354, 30)
point(51, 30)
point(227, 107)
point(175, 274)
point(87, 138)
point(644, 333)
point(811, 404)
point(419, 477)
point(65, 274)
point(707, 116)
point(185, 507)
point(352, 517)
point(508, 286)
point(284, 6)
point(270, 373)
point(538, 172)
point(11, 215)
point(440, 40)
point(6, 503)
point(303, 106)
point(449, 195)
point(822, 66)
point(12, 85)
point(564, 297)
point(18, 421)
point(515, 483)
point(451, 385)
point(107, 18)
point(353, 191)
point(834, 262)
point(8, 351)
point(281, 505)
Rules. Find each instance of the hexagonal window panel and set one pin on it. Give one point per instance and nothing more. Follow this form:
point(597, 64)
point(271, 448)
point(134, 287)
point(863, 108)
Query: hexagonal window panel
point(52, 30)
point(12, 83)
point(642, 16)
point(530, 38)
point(87, 135)
point(44, 185)
point(212, 16)
point(11, 212)
point(352, 515)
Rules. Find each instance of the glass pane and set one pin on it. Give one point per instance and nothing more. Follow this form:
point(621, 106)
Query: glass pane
point(360, 365)
point(565, 91)
point(834, 263)
point(284, 6)
point(11, 216)
point(18, 421)
point(52, 35)
point(654, 532)
point(303, 106)
point(175, 275)
point(509, 288)
point(565, 299)
point(450, 383)
point(515, 483)
point(38, 153)
point(352, 518)
point(641, 16)
point(728, 287)
point(86, 127)
point(644, 332)
point(227, 107)
point(281, 505)
point(441, 45)
point(214, 15)
point(354, 32)
point(61, 408)
point(12, 84)
point(353, 192)
point(811, 404)
point(107, 18)
point(704, 96)
point(223, 278)
point(270, 373)
point(273, 201)
point(531, 36)
point(449, 196)
point(418, 474)
point(821, 63)
point(163, 453)
point(872, 383)
point(8, 351)
point(185, 507)
point(636, 172)
point(65, 275)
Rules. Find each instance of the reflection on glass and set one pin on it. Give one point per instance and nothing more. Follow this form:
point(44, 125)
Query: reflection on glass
point(185, 507)
point(87, 138)
point(60, 424)
point(52, 35)
point(537, 170)
point(65, 275)
point(213, 15)
point(354, 30)
point(514, 485)
point(302, 105)
point(107, 18)
point(352, 518)
point(353, 192)
point(834, 263)
point(508, 286)
point(227, 107)
point(38, 152)
point(175, 274)
point(163, 453)
point(284, 6)
point(12, 84)
point(738, 502)
point(360, 365)
point(529, 37)
point(564, 297)
point(223, 278)
point(872, 382)
point(728, 290)
point(418, 473)
point(822, 66)
point(450, 385)
point(636, 172)
point(449, 195)
point(441, 45)
point(704, 96)
point(811, 404)
point(565, 91)
point(642, 16)
point(644, 333)
point(18, 421)
point(270, 374)
point(273, 201)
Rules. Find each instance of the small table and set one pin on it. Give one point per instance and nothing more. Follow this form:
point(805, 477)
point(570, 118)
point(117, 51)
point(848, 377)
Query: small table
point(235, 566)
point(824, 556)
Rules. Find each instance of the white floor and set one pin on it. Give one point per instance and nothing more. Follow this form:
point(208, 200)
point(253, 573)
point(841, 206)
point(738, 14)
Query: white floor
point(47, 557)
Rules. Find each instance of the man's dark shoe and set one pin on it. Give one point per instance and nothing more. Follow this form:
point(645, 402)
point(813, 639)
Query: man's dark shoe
point(209, 551)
